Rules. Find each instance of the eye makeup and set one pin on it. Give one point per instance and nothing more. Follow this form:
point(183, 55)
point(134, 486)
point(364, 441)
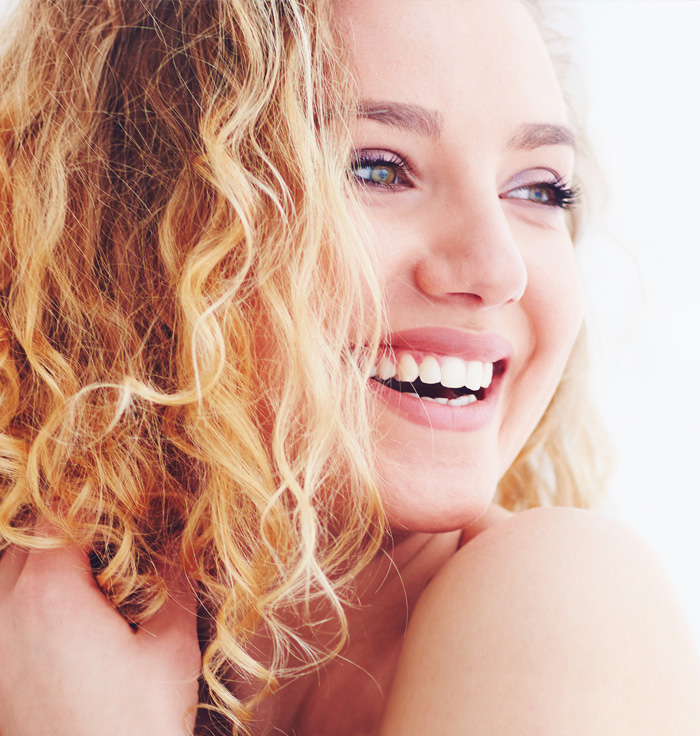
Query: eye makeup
point(543, 187)
point(381, 169)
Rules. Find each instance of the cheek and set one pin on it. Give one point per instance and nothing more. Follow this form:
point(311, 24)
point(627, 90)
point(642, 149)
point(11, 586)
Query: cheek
point(552, 310)
point(553, 300)
point(558, 301)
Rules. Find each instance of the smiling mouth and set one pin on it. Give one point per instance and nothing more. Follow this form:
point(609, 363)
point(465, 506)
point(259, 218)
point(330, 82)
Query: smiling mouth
point(445, 380)
point(437, 393)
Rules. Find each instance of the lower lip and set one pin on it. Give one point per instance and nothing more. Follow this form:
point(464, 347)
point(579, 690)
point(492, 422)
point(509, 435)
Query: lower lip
point(470, 418)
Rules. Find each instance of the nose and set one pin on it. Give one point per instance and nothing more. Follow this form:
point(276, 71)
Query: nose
point(470, 252)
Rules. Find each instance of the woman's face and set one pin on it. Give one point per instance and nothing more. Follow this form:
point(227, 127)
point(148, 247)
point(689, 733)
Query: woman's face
point(463, 160)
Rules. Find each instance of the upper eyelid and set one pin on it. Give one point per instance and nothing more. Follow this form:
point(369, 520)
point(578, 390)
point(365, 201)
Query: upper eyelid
point(380, 154)
point(536, 175)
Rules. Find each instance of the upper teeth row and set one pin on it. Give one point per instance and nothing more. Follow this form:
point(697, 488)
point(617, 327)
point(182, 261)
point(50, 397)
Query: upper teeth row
point(451, 372)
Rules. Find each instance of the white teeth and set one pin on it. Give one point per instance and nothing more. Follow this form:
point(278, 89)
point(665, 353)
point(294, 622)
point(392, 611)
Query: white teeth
point(459, 401)
point(415, 396)
point(430, 370)
point(474, 373)
point(462, 400)
point(488, 375)
point(386, 368)
point(454, 373)
point(407, 368)
point(373, 371)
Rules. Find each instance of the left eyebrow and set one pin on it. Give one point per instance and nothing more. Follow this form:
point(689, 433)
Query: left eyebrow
point(534, 135)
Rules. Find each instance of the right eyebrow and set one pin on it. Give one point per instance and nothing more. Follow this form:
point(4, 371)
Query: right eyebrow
point(413, 118)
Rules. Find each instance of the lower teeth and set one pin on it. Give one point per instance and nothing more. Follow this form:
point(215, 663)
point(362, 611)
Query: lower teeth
point(464, 400)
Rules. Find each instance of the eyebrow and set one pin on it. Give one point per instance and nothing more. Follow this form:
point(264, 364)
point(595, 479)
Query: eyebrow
point(428, 123)
point(533, 135)
point(413, 118)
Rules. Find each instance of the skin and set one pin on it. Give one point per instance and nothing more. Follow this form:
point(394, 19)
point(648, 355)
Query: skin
point(455, 245)
point(556, 621)
point(473, 621)
point(71, 665)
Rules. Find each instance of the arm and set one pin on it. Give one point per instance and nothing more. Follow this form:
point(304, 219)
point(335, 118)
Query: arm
point(71, 666)
point(554, 622)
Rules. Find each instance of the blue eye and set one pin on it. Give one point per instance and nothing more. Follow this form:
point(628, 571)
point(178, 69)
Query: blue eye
point(377, 173)
point(543, 195)
point(380, 169)
point(549, 194)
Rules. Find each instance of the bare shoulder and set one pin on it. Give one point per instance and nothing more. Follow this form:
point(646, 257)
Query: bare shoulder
point(552, 539)
point(552, 621)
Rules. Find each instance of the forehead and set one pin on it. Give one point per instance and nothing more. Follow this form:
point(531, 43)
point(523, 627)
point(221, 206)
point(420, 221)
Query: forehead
point(480, 60)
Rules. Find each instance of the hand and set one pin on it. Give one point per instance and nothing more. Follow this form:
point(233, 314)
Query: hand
point(70, 665)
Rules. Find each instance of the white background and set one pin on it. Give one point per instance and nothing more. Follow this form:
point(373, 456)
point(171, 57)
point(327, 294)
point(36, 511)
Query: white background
point(641, 263)
point(640, 62)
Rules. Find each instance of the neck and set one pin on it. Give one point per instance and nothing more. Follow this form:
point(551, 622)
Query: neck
point(386, 592)
point(405, 562)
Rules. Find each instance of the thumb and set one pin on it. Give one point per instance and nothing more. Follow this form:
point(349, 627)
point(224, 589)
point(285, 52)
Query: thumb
point(174, 625)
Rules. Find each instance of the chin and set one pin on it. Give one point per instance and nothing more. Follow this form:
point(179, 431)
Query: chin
point(419, 497)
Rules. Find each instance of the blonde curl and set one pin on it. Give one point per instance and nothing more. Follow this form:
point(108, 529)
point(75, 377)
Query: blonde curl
point(179, 275)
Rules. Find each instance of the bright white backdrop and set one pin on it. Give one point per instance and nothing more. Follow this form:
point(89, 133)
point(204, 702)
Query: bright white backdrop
point(641, 263)
point(640, 61)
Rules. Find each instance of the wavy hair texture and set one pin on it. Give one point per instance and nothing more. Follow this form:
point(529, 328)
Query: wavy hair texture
point(178, 280)
point(179, 276)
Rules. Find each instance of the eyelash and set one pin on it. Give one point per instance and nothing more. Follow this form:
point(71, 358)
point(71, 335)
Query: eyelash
point(367, 160)
point(564, 197)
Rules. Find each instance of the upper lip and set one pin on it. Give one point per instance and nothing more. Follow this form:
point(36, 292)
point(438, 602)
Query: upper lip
point(486, 347)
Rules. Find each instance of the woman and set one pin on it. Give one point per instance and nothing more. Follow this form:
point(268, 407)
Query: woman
point(206, 378)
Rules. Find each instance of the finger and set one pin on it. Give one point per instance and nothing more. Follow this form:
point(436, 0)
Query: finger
point(61, 578)
point(177, 617)
point(18, 563)
point(56, 553)
point(70, 564)
point(171, 636)
point(13, 558)
point(11, 565)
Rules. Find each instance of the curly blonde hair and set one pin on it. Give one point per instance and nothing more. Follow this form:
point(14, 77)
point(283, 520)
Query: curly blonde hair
point(178, 282)
point(179, 276)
